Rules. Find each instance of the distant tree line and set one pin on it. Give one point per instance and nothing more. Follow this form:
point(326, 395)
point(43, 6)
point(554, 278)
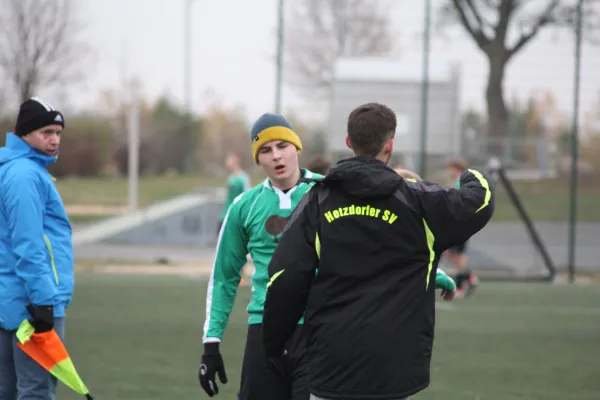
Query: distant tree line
point(97, 144)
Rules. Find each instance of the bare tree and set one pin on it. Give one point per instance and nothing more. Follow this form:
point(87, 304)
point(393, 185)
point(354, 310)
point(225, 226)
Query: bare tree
point(39, 44)
point(489, 22)
point(320, 31)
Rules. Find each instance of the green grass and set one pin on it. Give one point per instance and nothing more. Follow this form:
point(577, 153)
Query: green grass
point(108, 191)
point(549, 201)
point(114, 191)
point(140, 338)
point(544, 200)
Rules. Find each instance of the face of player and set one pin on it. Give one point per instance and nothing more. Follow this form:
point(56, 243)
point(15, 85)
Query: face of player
point(279, 159)
point(232, 162)
point(454, 173)
point(46, 139)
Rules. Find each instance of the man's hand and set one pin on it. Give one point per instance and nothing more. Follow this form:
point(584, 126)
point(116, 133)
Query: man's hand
point(42, 317)
point(405, 173)
point(448, 295)
point(444, 282)
point(212, 364)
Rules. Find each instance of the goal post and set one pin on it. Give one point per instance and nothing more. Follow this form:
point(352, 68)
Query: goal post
point(496, 170)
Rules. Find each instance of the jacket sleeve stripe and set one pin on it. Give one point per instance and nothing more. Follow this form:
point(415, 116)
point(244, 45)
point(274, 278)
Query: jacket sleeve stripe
point(318, 245)
point(430, 243)
point(483, 182)
point(52, 261)
point(275, 276)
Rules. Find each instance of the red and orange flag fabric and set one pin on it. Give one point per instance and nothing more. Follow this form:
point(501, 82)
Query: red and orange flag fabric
point(49, 351)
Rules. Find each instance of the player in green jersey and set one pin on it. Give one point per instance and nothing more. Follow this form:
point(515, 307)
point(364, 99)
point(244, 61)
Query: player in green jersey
point(253, 224)
point(238, 182)
point(466, 280)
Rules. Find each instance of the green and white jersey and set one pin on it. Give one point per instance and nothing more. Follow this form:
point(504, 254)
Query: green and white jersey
point(443, 281)
point(236, 185)
point(252, 226)
point(457, 183)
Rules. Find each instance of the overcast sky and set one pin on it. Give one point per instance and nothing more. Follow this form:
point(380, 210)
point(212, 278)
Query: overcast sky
point(234, 46)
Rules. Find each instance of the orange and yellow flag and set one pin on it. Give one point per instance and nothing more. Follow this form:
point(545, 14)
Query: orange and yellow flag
point(49, 351)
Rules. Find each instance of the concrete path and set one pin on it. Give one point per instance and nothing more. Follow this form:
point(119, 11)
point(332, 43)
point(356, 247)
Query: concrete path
point(509, 244)
point(499, 247)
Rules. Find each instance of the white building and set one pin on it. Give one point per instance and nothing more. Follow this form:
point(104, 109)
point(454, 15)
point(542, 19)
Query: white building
point(398, 84)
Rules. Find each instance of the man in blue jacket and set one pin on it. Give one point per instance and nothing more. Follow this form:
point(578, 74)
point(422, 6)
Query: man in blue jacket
point(36, 252)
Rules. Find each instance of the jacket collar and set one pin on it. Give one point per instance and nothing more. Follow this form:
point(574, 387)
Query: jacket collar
point(22, 149)
point(304, 173)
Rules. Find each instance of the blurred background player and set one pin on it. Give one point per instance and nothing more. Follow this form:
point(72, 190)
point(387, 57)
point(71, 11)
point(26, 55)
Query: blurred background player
point(466, 281)
point(319, 164)
point(405, 173)
point(238, 182)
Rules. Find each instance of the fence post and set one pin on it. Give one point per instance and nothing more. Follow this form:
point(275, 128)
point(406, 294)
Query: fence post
point(280, 49)
point(574, 147)
point(425, 89)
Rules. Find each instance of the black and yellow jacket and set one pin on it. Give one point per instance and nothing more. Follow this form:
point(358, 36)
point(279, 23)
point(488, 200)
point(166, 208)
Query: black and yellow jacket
point(358, 259)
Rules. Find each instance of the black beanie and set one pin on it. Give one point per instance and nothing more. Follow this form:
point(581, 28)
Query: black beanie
point(34, 114)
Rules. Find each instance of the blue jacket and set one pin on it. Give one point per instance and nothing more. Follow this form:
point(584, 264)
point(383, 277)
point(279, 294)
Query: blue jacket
point(36, 250)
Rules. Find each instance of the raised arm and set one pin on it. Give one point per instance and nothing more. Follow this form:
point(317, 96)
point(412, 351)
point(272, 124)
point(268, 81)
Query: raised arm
point(454, 215)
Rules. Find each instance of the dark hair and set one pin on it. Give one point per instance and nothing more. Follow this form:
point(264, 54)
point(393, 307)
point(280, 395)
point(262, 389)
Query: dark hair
point(369, 126)
point(318, 164)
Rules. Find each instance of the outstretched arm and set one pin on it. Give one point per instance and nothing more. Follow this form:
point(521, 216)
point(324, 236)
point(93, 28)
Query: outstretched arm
point(454, 215)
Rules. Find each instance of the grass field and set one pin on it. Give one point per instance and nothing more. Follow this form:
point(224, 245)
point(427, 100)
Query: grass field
point(545, 200)
point(109, 191)
point(139, 338)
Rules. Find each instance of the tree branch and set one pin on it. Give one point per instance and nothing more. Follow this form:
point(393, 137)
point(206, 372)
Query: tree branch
point(544, 19)
point(38, 44)
point(482, 22)
point(506, 9)
point(320, 31)
point(476, 32)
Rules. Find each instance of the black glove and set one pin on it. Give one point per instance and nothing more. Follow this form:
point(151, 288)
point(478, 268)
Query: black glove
point(42, 317)
point(212, 364)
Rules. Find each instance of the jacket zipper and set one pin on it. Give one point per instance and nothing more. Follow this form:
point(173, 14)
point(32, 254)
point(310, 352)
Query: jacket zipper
point(49, 246)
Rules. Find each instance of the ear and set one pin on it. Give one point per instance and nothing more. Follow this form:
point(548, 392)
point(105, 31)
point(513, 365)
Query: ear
point(389, 147)
point(348, 143)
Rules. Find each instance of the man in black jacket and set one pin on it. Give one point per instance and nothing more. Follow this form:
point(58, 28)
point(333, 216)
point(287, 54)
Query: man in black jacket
point(358, 260)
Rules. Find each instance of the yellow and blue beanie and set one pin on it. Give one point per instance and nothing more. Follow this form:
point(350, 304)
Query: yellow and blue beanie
point(271, 127)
